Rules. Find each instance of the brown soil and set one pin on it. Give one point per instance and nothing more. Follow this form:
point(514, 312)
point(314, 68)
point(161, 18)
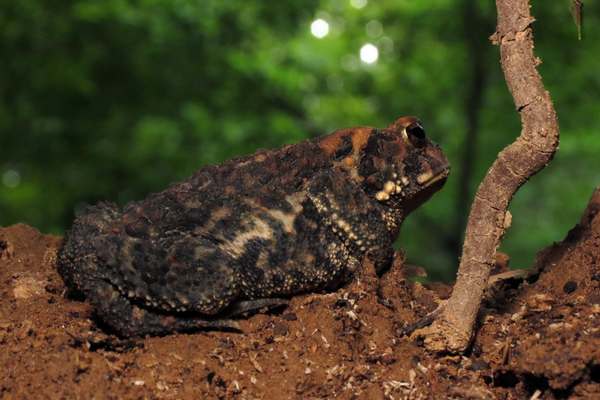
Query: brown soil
point(539, 339)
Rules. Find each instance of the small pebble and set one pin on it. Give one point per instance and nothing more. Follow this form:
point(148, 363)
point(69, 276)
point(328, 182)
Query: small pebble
point(570, 287)
point(478, 365)
point(280, 330)
point(341, 303)
point(289, 317)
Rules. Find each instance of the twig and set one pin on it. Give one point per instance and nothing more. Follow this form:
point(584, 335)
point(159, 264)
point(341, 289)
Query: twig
point(528, 154)
point(577, 12)
point(492, 281)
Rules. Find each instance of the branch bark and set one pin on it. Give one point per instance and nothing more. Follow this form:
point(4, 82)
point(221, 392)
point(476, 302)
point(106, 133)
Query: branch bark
point(528, 154)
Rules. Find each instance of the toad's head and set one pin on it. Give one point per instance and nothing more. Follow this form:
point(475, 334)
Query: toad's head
point(397, 166)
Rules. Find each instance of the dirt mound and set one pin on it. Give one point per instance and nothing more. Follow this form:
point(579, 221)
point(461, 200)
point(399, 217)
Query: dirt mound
point(540, 337)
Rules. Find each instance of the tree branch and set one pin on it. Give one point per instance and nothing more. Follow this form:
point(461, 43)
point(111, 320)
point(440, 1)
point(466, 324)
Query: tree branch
point(529, 153)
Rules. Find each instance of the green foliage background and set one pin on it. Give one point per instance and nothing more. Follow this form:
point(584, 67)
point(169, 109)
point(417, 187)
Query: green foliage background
point(115, 99)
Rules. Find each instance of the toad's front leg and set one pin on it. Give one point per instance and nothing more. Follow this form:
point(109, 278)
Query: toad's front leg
point(357, 220)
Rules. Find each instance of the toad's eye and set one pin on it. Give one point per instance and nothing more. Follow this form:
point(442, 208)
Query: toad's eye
point(416, 130)
point(416, 134)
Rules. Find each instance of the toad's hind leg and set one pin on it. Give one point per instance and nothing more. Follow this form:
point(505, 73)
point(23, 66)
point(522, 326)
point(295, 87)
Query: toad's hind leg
point(127, 319)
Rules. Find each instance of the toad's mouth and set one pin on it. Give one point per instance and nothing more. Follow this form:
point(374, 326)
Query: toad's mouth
point(431, 178)
point(430, 183)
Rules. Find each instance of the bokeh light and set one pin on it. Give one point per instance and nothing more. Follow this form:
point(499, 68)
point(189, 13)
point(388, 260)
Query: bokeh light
point(386, 44)
point(358, 4)
point(319, 28)
point(369, 53)
point(374, 28)
point(11, 178)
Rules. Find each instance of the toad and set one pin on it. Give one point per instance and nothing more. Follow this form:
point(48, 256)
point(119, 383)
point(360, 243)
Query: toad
point(252, 231)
